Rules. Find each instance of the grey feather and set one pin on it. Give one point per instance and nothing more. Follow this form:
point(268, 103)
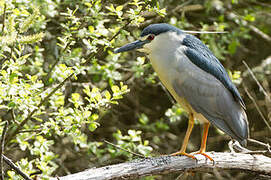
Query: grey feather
point(201, 56)
point(209, 97)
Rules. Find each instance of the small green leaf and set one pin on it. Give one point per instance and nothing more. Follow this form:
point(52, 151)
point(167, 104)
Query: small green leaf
point(107, 95)
point(92, 127)
point(249, 17)
point(115, 89)
point(119, 8)
point(91, 29)
point(75, 97)
point(11, 104)
point(94, 117)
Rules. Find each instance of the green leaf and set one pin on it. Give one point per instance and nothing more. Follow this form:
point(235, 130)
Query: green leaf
point(11, 104)
point(92, 127)
point(107, 95)
point(115, 89)
point(91, 29)
point(119, 8)
point(94, 117)
point(249, 17)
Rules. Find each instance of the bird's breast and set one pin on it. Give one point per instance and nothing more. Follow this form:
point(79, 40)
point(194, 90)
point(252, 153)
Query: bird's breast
point(168, 66)
point(166, 69)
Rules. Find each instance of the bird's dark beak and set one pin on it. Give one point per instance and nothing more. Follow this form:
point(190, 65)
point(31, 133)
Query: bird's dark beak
point(131, 46)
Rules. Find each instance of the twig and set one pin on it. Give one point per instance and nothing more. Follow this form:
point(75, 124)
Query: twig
point(257, 107)
point(260, 33)
point(131, 152)
point(265, 5)
point(179, 7)
point(36, 172)
point(233, 16)
point(113, 37)
point(258, 164)
point(4, 17)
point(56, 62)
point(3, 148)
point(13, 116)
point(17, 169)
point(260, 143)
point(184, 7)
point(258, 83)
point(236, 145)
point(30, 130)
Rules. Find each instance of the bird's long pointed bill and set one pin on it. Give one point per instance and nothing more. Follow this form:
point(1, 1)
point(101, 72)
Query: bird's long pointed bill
point(131, 46)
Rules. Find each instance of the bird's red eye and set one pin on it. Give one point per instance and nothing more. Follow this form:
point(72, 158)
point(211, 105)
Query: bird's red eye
point(151, 37)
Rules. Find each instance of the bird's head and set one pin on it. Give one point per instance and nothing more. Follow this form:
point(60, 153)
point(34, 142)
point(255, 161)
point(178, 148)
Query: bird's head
point(148, 37)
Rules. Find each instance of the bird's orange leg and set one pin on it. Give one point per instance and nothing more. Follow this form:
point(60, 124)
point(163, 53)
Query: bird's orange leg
point(186, 138)
point(203, 141)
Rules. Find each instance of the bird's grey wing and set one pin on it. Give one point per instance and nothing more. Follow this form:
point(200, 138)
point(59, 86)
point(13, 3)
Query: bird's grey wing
point(208, 96)
point(201, 56)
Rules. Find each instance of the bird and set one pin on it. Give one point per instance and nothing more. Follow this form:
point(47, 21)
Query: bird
point(197, 81)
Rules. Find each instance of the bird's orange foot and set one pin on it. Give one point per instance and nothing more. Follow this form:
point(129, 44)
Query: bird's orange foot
point(206, 155)
point(183, 154)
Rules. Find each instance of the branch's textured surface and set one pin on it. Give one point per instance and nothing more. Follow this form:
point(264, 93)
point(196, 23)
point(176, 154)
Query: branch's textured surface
point(165, 164)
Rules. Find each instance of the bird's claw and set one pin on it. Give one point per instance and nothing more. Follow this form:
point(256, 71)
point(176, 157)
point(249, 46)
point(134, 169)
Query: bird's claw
point(183, 154)
point(206, 155)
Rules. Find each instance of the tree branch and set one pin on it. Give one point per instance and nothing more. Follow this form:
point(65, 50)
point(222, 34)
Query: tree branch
point(16, 168)
point(259, 164)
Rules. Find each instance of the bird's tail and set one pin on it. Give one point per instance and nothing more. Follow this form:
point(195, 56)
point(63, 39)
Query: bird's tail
point(242, 131)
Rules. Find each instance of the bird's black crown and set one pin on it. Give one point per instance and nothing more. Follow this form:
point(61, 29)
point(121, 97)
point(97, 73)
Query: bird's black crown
point(157, 29)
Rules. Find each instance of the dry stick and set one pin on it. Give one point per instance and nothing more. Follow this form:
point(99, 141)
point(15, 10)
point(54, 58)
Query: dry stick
point(257, 107)
point(260, 33)
point(237, 146)
point(2, 149)
point(17, 169)
point(131, 152)
point(258, 83)
point(260, 143)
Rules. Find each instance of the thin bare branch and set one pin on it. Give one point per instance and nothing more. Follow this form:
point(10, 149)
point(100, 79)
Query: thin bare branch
point(16, 168)
point(256, 80)
point(2, 149)
point(260, 143)
point(260, 33)
point(257, 107)
point(131, 152)
point(56, 62)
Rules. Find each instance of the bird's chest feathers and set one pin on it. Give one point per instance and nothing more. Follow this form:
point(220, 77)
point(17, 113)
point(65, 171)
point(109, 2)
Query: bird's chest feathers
point(163, 56)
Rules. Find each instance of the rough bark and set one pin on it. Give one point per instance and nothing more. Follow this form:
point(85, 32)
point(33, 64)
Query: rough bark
point(255, 163)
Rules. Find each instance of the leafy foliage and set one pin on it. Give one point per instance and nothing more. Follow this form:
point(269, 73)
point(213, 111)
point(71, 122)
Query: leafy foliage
point(64, 91)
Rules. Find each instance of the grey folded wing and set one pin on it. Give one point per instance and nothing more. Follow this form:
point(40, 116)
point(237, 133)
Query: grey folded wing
point(209, 97)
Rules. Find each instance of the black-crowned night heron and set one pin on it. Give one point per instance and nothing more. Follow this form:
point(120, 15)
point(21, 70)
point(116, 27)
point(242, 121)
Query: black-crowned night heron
point(196, 79)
